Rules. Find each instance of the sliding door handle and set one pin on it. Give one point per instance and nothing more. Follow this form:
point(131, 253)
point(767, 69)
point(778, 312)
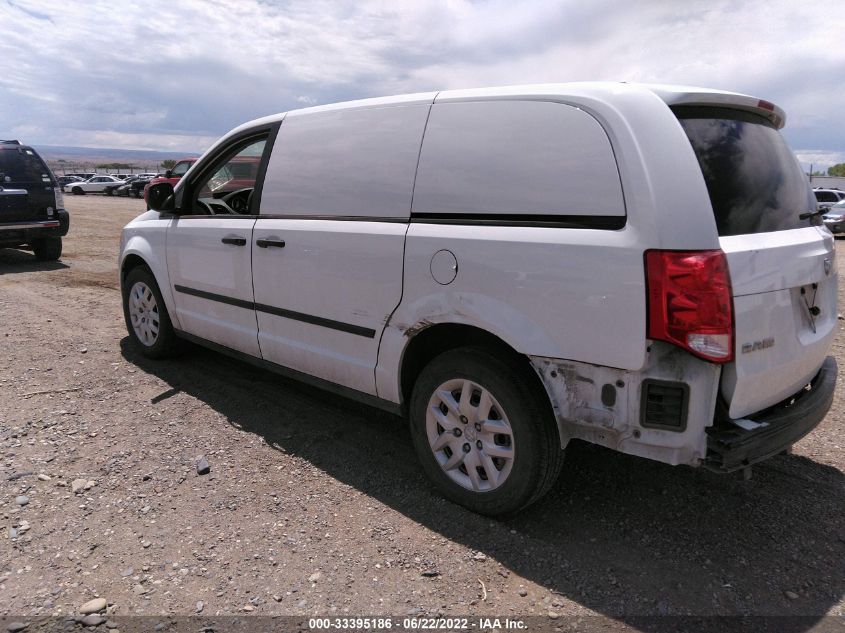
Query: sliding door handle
point(237, 241)
point(268, 243)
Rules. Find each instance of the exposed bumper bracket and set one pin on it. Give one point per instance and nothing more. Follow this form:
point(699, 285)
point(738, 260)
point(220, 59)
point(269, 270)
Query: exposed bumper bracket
point(731, 447)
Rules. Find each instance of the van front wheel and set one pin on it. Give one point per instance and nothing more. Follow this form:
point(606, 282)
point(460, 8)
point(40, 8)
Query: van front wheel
point(483, 432)
point(147, 320)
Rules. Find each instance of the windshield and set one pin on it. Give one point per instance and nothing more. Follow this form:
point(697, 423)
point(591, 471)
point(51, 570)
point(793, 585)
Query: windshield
point(755, 182)
point(180, 169)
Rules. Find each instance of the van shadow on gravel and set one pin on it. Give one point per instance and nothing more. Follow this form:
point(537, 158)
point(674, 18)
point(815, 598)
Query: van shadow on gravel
point(623, 536)
point(20, 261)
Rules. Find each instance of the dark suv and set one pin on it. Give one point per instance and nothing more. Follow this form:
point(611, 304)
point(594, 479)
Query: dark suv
point(31, 203)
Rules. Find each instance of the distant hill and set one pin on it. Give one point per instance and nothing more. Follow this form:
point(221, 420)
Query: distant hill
point(63, 159)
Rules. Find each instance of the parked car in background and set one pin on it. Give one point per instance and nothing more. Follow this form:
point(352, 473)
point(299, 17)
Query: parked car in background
point(97, 184)
point(834, 218)
point(123, 189)
point(172, 175)
point(83, 175)
point(132, 187)
point(826, 198)
point(111, 189)
point(66, 180)
point(32, 209)
point(511, 268)
point(136, 189)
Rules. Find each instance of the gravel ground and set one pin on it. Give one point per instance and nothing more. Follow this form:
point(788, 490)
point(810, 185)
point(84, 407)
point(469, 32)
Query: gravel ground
point(315, 505)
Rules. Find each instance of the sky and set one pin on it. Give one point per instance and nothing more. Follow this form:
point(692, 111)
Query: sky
point(175, 75)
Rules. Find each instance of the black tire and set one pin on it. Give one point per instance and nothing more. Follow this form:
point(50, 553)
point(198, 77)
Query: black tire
point(166, 342)
point(537, 455)
point(77, 191)
point(47, 249)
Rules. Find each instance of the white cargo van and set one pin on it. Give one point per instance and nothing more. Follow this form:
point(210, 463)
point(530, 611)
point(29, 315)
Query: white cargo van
point(642, 267)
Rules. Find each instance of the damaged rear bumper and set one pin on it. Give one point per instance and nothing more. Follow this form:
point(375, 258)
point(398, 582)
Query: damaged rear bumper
point(731, 447)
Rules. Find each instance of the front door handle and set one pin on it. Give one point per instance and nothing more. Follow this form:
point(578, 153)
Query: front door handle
point(267, 243)
point(237, 241)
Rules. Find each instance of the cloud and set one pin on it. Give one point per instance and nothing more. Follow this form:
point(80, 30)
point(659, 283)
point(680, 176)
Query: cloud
point(29, 12)
point(819, 160)
point(163, 73)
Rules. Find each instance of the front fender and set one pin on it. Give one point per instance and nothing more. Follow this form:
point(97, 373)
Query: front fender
point(148, 240)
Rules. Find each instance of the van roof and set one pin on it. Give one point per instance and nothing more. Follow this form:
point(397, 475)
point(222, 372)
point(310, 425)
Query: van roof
point(580, 92)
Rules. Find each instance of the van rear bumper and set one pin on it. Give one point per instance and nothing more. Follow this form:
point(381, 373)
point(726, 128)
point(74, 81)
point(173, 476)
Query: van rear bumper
point(730, 447)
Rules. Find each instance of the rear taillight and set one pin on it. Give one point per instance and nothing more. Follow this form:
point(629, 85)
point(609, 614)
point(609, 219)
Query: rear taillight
point(60, 199)
point(690, 303)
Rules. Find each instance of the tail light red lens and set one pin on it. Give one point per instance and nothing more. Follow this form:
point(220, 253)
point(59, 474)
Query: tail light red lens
point(690, 302)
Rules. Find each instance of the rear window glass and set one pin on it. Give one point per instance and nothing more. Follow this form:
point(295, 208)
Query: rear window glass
point(22, 165)
point(754, 180)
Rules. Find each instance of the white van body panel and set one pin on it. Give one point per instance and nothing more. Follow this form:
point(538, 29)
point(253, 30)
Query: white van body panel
point(344, 271)
point(199, 261)
point(146, 237)
point(648, 143)
point(780, 345)
point(600, 281)
point(421, 98)
point(338, 191)
point(757, 260)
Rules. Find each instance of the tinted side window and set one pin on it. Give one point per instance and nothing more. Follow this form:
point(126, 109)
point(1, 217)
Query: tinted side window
point(826, 196)
point(516, 158)
point(357, 162)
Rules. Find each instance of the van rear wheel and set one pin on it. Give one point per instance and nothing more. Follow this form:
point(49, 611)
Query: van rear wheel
point(483, 432)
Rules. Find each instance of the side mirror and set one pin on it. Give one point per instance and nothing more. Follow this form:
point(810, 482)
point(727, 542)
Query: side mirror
point(160, 197)
point(168, 173)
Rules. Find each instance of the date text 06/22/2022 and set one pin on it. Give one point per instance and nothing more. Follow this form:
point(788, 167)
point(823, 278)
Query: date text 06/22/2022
point(415, 623)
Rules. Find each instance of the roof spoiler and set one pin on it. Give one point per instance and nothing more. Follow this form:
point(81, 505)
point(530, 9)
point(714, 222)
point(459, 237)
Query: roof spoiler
point(682, 96)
